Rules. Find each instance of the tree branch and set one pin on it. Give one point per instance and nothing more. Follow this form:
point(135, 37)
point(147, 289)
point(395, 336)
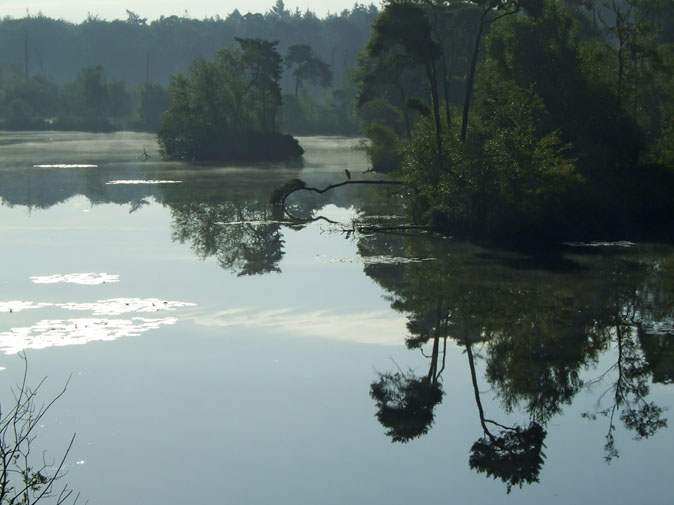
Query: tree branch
point(333, 186)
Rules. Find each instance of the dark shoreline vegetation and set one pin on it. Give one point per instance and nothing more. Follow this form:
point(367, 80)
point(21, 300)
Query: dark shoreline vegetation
point(520, 123)
point(526, 123)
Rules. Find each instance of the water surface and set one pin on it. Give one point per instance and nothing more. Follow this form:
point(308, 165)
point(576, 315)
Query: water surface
point(219, 351)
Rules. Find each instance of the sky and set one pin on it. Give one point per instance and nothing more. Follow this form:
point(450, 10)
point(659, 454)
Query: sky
point(78, 10)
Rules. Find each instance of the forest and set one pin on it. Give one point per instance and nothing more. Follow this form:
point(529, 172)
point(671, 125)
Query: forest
point(113, 75)
point(509, 121)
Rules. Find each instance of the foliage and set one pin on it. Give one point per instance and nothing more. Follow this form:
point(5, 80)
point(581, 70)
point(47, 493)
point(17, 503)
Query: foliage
point(43, 56)
point(506, 182)
point(401, 42)
point(307, 67)
point(556, 151)
point(226, 109)
point(153, 101)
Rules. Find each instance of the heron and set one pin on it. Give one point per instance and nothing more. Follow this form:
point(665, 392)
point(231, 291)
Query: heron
point(348, 174)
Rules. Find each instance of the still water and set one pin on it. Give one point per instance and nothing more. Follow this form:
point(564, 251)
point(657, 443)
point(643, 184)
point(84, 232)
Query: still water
point(219, 352)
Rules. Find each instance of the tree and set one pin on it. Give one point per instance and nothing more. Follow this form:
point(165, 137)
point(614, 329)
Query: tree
point(263, 71)
point(307, 67)
point(153, 101)
point(279, 10)
point(491, 10)
point(24, 479)
point(401, 36)
point(226, 109)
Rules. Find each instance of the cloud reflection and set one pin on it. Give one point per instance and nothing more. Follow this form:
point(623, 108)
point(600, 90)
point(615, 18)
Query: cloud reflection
point(374, 327)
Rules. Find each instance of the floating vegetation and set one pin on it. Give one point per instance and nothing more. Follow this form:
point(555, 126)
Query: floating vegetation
point(116, 306)
point(59, 332)
point(18, 306)
point(76, 278)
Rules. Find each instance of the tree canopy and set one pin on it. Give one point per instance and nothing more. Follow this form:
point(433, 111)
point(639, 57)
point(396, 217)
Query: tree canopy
point(227, 109)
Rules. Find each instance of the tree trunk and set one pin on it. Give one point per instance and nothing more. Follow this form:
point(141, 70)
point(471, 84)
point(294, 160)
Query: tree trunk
point(471, 74)
point(432, 78)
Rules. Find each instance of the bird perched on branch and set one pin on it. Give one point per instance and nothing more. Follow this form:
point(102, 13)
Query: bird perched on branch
point(348, 174)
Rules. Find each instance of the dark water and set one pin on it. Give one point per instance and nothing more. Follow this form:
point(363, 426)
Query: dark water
point(220, 352)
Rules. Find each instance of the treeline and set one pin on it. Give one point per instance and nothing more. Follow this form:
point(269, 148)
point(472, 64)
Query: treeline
point(90, 102)
point(45, 55)
point(526, 120)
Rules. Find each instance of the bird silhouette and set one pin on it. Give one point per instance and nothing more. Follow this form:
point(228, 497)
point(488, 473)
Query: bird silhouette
point(348, 174)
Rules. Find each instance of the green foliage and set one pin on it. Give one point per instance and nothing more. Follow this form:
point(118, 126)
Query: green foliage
point(383, 147)
point(261, 64)
point(307, 67)
point(226, 109)
point(401, 41)
point(327, 114)
point(135, 49)
point(507, 182)
point(402, 32)
point(153, 101)
point(138, 52)
point(557, 149)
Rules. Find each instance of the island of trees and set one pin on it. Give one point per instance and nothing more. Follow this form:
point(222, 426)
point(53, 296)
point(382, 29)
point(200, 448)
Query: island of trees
point(227, 109)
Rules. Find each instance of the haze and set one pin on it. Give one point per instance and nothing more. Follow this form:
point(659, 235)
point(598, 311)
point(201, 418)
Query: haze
point(77, 11)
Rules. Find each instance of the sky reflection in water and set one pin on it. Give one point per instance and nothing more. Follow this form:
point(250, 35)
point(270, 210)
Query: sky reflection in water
point(299, 351)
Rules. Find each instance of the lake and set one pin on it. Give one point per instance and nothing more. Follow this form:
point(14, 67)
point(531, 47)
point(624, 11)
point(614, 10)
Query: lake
point(216, 350)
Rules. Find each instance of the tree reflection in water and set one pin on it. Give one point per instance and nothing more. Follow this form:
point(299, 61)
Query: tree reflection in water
point(232, 222)
point(241, 238)
point(539, 322)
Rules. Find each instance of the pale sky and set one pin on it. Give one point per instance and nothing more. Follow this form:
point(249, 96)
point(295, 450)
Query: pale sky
point(77, 10)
